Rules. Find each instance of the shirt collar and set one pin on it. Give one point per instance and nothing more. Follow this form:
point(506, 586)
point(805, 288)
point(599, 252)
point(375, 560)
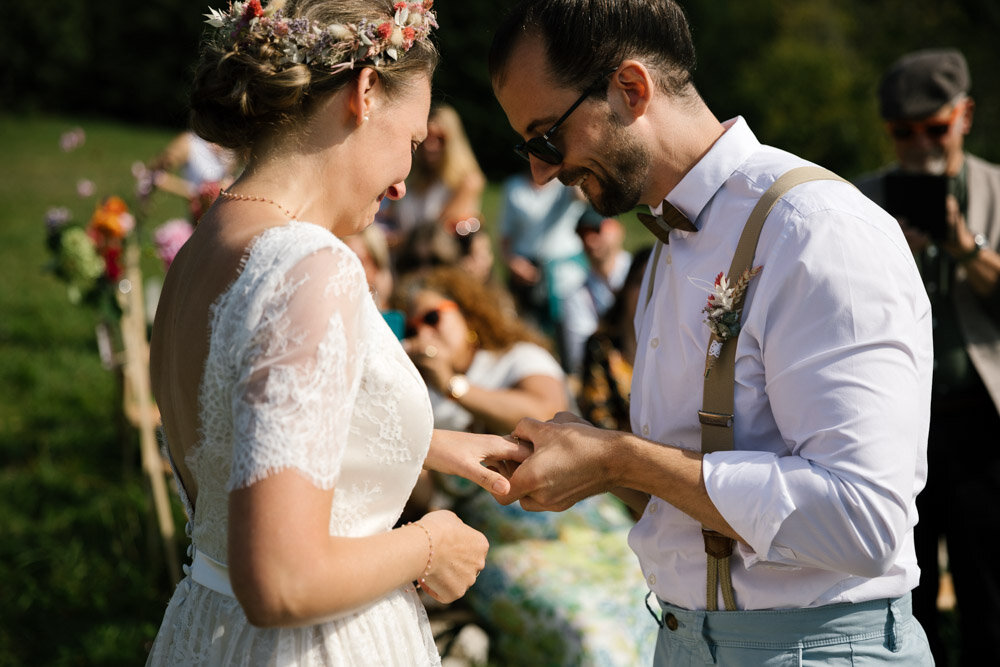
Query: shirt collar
point(711, 172)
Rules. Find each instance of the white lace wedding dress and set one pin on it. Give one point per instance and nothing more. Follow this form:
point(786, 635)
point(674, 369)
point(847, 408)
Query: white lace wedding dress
point(302, 373)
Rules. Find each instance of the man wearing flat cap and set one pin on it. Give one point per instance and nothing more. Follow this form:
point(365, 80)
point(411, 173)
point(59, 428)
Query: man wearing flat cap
point(948, 203)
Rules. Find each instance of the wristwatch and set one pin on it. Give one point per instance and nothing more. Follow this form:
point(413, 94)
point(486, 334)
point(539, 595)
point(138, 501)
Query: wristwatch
point(458, 386)
point(980, 241)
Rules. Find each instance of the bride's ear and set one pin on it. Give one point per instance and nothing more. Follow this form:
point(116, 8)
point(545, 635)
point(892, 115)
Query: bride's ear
point(363, 95)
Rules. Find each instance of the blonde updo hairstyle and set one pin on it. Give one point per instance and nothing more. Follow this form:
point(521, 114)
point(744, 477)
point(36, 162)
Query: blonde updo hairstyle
point(240, 93)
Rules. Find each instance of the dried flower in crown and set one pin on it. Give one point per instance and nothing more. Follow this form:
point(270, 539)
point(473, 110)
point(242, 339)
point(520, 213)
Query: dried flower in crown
point(336, 47)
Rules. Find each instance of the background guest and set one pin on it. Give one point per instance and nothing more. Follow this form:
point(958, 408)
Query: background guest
point(609, 354)
point(924, 100)
point(544, 601)
point(486, 369)
point(608, 264)
point(446, 182)
point(372, 249)
point(542, 253)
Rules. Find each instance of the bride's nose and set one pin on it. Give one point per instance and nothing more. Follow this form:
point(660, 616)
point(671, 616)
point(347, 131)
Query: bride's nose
point(396, 191)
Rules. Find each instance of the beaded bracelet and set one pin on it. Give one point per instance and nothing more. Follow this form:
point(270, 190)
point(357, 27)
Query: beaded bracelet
point(430, 552)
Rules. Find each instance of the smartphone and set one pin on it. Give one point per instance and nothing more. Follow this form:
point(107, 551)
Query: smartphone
point(919, 200)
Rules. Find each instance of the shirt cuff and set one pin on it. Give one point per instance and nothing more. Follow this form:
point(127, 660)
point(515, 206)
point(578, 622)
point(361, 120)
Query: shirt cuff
point(748, 488)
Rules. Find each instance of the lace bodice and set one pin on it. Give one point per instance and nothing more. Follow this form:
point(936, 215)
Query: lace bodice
point(303, 373)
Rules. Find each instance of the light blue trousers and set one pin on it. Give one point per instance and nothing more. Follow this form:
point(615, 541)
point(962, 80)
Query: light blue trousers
point(865, 633)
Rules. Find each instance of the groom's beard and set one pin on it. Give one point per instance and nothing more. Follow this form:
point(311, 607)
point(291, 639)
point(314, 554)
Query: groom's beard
point(624, 172)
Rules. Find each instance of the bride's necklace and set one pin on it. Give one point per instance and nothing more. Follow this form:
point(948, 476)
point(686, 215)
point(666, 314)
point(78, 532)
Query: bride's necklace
point(235, 197)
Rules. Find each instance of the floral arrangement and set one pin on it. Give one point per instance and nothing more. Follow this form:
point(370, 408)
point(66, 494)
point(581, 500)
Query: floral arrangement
point(722, 311)
point(88, 258)
point(336, 47)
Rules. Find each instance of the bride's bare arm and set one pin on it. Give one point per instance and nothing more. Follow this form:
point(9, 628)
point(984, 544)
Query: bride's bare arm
point(472, 456)
point(287, 570)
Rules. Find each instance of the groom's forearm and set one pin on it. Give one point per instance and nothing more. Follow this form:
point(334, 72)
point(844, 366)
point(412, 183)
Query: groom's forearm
point(671, 473)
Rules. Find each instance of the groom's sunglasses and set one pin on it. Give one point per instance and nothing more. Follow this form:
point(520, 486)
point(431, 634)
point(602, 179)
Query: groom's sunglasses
point(541, 147)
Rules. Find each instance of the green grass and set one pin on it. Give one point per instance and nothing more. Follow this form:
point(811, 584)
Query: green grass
point(82, 580)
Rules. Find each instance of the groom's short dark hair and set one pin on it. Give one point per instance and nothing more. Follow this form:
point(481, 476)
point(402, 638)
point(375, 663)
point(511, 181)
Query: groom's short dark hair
point(585, 38)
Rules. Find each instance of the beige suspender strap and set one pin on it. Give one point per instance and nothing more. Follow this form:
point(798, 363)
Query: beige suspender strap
point(716, 416)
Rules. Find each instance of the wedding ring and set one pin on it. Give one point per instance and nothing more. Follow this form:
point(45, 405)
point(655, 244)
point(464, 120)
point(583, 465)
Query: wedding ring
point(430, 351)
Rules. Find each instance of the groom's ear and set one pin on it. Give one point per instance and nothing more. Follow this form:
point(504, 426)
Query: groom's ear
point(631, 89)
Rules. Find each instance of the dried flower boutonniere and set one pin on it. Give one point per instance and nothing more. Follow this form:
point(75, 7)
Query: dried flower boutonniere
point(722, 311)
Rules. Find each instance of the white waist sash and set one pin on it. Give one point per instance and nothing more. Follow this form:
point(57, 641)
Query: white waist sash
point(211, 574)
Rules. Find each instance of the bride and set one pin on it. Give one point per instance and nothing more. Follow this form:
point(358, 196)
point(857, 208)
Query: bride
point(296, 424)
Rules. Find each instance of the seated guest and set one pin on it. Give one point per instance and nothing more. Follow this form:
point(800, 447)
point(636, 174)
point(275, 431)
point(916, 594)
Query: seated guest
point(485, 369)
point(558, 588)
point(608, 356)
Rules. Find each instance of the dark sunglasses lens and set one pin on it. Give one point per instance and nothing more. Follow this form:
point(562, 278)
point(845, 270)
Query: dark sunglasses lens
point(544, 151)
point(410, 332)
point(902, 132)
point(937, 131)
point(541, 149)
point(431, 317)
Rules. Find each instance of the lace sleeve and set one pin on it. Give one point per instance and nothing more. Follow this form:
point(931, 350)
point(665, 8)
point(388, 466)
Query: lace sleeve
point(299, 371)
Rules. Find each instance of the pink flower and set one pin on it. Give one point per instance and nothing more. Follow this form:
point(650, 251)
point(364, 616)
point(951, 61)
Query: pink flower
point(85, 187)
point(170, 237)
point(72, 139)
point(385, 30)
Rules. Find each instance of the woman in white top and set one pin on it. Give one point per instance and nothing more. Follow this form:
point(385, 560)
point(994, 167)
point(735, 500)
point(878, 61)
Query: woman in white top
point(486, 368)
point(296, 423)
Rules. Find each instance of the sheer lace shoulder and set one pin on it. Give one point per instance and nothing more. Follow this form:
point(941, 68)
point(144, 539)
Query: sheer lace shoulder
point(284, 361)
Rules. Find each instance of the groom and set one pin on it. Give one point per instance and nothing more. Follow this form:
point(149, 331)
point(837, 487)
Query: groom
point(832, 367)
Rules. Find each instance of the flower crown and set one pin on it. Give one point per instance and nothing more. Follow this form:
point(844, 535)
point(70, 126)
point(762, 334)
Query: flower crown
point(335, 47)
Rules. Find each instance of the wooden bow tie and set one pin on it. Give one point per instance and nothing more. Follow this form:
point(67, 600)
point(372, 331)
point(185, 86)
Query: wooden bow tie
point(660, 225)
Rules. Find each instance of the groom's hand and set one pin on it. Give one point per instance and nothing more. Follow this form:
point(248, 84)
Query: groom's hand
point(571, 460)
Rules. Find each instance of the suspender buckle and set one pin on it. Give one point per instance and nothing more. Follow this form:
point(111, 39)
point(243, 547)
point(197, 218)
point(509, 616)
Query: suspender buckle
point(715, 419)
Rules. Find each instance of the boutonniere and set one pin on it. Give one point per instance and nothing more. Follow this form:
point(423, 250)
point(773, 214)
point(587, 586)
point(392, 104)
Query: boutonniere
point(722, 310)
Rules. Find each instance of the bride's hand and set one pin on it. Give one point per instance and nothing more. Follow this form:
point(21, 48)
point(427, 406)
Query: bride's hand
point(477, 458)
point(458, 555)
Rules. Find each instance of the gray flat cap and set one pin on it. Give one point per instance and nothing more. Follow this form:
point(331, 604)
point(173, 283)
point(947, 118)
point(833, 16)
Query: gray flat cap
point(920, 83)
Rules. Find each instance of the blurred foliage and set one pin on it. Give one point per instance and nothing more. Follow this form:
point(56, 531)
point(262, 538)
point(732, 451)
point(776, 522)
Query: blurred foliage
point(803, 73)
